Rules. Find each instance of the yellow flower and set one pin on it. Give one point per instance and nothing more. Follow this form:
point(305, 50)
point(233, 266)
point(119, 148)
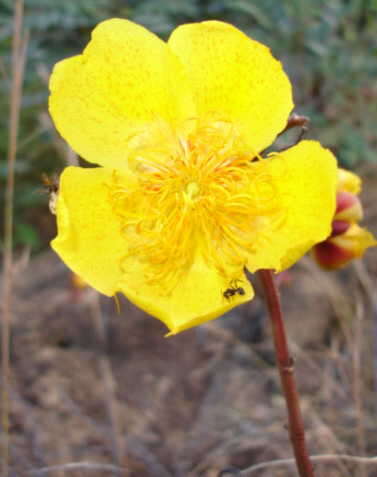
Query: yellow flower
point(183, 201)
point(347, 240)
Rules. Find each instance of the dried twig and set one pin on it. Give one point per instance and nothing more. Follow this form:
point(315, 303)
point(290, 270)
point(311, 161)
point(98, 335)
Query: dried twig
point(78, 466)
point(18, 63)
point(370, 292)
point(356, 348)
point(314, 458)
point(108, 378)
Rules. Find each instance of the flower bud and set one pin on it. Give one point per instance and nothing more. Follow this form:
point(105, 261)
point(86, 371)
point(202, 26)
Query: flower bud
point(347, 240)
point(338, 250)
point(348, 182)
point(348, 207)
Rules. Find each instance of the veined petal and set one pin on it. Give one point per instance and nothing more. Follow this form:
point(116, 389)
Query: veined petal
point(302, 181)
point(198, 297)
point(125, 79)
point(235, 79)
point(89, 239)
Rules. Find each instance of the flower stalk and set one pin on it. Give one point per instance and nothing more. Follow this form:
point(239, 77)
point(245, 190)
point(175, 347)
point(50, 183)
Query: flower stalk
point(286, 369)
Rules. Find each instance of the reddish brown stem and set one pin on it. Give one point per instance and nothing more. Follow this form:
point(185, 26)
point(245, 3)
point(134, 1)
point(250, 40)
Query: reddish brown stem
point(286, 370)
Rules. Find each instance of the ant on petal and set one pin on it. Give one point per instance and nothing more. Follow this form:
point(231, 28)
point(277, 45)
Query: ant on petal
point(234, 289)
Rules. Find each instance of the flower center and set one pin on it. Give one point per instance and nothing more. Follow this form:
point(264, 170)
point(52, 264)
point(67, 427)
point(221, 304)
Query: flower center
point(198, 193)
point(191, 192)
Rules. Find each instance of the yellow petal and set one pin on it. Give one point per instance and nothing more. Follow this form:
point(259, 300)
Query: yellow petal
point(92, 242)
point(302, 181)
point(234, 78)
point(348, 181)
point(125, 79)
point(338, 251)
point(355, 241)
point(89, 239)
point(198, 297)
point(348, 207)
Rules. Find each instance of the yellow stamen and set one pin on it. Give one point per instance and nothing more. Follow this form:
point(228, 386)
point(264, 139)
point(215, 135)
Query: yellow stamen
point(205, 196)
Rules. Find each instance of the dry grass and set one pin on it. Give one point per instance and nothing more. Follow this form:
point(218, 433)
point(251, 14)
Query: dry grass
point(19, 46)
point(94, 388)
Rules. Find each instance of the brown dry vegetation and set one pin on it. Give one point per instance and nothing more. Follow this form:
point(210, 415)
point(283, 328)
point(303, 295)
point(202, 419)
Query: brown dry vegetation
point(89, 385)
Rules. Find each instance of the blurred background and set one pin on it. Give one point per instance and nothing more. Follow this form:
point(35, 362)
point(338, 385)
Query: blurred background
point(91, 385)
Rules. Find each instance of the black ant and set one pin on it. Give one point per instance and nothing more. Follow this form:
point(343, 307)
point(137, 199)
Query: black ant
point(233, 290)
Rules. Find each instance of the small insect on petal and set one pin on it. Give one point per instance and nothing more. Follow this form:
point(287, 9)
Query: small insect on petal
point(51, 184)
point(233, 290)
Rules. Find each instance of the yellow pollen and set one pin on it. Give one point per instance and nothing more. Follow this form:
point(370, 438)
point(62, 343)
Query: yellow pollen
point(198, 196)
